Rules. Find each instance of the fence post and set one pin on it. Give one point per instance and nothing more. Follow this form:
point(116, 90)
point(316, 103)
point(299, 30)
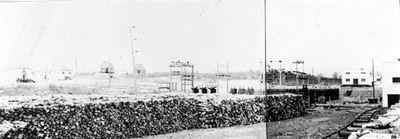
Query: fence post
point(315, 96)
point(309, 100)
point(329, 100)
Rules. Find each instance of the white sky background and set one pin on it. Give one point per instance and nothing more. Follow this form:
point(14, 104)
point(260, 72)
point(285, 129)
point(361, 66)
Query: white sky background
point(329, 35)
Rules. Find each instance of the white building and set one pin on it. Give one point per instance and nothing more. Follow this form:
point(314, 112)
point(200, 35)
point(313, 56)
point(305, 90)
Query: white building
point(360, 78)
point(58, 73)
point(390, 83)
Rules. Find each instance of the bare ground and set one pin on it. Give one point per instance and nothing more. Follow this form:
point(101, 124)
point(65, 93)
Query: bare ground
point(313, 125)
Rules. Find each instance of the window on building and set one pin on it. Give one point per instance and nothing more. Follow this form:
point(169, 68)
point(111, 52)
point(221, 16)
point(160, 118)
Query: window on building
point(69, 72)
point(378, 80)
point(363, 80)
point(347, 80)
point(347, 73)
point(362, 72)
point(396, 79)
point(63, 72)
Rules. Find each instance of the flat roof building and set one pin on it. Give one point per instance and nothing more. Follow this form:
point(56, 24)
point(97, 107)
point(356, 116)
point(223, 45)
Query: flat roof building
point(360, 77)
point(390, 83)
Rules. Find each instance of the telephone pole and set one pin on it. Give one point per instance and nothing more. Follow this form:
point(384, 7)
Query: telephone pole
point(76, 69)
point(297, 72)
point(133, 60)
point(312, 72)
point(217, 76)
point(227, 78)
point(226, 75)
point(280, 72)
point(373, 81)
point(265, 67)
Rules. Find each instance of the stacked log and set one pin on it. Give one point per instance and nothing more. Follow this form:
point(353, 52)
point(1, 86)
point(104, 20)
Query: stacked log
point(128, 119)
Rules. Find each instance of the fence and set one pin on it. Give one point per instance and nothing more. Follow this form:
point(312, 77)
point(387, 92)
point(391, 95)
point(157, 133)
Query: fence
point(311, 95)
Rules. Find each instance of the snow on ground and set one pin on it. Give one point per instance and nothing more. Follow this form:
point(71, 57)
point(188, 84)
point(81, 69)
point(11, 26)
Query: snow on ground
point(9, 102)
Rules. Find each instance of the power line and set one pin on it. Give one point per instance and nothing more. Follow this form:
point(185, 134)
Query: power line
point(36, 44)
point(33, 14)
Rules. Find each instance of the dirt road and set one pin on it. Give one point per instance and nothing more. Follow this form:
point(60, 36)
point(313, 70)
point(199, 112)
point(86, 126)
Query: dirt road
point(314, 125)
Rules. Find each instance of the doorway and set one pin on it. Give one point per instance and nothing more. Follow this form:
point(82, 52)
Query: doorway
point(355, 81)
point(393, 99)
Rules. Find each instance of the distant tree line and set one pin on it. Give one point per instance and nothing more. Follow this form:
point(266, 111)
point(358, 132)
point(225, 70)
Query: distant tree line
point(288, 77)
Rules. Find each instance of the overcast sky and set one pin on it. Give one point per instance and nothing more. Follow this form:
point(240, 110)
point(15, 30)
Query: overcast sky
point(329, 35)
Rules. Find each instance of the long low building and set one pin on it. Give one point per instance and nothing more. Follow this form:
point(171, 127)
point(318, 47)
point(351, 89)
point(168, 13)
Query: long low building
point(390, 83)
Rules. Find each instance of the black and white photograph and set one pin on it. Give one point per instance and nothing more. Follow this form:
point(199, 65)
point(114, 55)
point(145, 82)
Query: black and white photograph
point(199, 69)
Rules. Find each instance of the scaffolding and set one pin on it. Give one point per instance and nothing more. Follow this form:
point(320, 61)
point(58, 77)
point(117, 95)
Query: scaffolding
point(186, 73)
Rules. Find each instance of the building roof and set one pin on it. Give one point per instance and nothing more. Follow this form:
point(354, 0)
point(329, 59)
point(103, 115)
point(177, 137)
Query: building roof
point(60, 68)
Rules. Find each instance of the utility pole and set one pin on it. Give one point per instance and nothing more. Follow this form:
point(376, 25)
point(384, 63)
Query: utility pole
point(312, 73)
point(262, 78)
point(227, 78)
point(373, 81)
point(192, 76)
point(76, 69)
point(183, 78)
point(170, 76)
point(181, 71)
point(226, 75)
point(280, 72)
point(297, 80)
point(265, 67)
point(304, 75)
point(133, 60)
point(76, 64)
point(217, 76)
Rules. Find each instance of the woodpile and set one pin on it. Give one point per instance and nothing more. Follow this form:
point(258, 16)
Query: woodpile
point(127, 119)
